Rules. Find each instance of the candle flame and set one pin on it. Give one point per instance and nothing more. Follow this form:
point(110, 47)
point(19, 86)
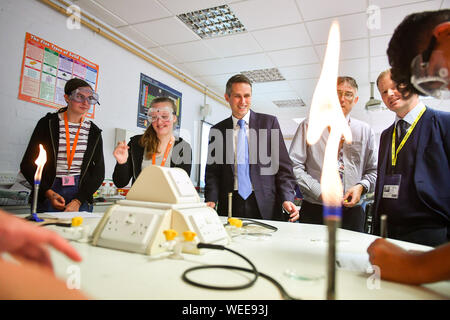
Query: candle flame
point(326, 112)
point(40, 162)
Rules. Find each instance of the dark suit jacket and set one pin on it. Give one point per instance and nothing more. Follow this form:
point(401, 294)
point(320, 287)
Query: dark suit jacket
point(271, 170)
point(432, 165)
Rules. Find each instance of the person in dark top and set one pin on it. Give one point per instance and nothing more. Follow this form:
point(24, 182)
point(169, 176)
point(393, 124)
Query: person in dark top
point(419, 54)
point(413, 185)
point(75, 165)
point(157, 146)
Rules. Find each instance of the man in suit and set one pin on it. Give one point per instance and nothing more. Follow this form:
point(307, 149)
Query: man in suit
point(248, 158)
point(413, 185)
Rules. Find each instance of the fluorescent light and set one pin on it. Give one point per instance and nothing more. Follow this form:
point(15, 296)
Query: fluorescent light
point(212, 22)
point(264, 75)
point(291, 103)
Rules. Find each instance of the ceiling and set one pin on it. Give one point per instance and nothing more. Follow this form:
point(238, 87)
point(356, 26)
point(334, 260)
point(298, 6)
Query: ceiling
point(290, 35)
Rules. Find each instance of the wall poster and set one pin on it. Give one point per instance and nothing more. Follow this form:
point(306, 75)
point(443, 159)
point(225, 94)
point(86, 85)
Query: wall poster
point(45, 70)
point(148, 90)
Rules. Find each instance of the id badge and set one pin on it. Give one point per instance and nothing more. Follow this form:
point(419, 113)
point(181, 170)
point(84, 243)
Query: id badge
point(391, 186)
point(68, 181)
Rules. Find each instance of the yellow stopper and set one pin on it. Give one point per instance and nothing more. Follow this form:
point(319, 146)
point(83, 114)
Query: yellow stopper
point(77, 221)
point(189, 235)
point(170, 234)
point(235, 222)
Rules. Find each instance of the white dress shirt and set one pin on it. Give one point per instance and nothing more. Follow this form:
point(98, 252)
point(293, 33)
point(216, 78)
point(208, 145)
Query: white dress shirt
point(411, 115)
point(360, 160)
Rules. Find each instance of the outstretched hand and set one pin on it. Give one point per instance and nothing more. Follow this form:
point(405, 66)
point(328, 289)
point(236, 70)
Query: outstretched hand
point(26, 241)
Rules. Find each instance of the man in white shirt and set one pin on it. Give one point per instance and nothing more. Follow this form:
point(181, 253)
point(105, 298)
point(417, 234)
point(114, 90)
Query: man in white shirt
point(357, 164)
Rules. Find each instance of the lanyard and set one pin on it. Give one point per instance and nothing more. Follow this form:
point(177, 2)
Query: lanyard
point(71, 152)
point(166, 154)
point(408, 133)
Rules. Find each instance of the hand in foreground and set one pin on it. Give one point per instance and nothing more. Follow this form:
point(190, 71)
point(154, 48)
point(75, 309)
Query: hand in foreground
point(24, 240)
point(28, 281)
point(121, 152)
point(292, 210)
point(395, 263)
point(352, 196)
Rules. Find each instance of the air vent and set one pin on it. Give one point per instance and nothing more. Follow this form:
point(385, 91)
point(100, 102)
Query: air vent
point(212, 22)
point(264, 75)
point(291, 103)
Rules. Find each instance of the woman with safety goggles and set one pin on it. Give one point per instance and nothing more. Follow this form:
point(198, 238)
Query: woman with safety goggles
point(75, 166)
point(157, 146)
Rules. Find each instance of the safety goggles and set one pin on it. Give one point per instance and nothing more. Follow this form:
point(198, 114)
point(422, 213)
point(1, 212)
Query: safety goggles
point(81, 95)
point(165, 114)
point(430, 69)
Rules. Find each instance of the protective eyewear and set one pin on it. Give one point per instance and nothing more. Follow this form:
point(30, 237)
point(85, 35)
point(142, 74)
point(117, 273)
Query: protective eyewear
point(347, 94)
point(430, 69)
point(82, 95)
point(165, 114)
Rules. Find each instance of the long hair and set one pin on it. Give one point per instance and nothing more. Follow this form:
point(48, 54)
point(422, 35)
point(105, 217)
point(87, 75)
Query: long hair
point(149, 139)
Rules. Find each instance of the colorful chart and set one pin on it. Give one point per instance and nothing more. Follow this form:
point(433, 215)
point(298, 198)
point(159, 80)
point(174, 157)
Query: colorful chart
point(45, 70)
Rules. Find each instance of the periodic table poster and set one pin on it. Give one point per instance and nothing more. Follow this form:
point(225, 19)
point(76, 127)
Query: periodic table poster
point(150, 89)
point(45, 70)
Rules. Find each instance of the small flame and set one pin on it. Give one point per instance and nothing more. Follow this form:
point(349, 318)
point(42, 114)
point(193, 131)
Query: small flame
point(326, 112)
point(40, 162)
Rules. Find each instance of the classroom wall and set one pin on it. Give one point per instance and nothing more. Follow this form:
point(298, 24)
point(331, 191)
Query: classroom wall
point(118, 83)
point(118, 86)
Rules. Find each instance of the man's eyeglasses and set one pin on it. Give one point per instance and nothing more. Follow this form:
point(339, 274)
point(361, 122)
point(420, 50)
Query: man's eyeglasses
point(78, 96)
point(347, 94)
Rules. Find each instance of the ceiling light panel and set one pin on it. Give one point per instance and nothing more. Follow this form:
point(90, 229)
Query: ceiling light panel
point(212, 22)
point(264, 75)
point(290, 103)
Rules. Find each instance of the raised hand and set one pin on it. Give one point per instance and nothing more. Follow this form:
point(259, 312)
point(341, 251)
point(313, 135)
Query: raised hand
point(121, 152)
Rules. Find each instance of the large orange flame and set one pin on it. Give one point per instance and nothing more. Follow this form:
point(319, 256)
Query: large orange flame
point(40, 162)
point(326, 112)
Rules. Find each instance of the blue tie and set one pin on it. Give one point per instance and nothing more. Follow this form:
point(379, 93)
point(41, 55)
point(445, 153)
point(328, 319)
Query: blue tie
point(243, 168)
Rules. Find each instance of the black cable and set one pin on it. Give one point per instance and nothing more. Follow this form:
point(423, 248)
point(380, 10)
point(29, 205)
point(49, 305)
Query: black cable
point(262, 224)
point(251, 221)
point(255, 272)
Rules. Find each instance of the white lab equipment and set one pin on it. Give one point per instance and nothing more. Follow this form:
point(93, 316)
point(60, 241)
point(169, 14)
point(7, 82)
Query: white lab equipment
point(161, 198)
